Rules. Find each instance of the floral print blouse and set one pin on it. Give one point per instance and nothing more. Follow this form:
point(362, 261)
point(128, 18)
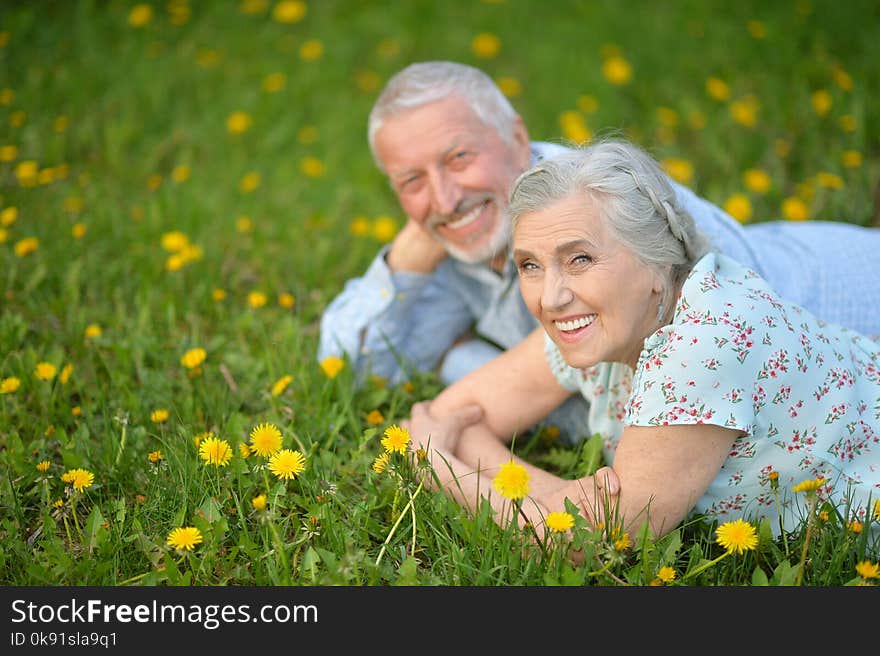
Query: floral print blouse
point(805, 395)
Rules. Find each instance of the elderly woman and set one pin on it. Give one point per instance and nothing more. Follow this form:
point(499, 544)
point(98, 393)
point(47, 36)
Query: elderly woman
point(705, 385)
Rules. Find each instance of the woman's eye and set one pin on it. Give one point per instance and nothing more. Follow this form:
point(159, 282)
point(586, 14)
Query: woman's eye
point(581, 259)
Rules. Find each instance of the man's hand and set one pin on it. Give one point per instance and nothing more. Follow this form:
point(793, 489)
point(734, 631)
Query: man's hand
point(414, 249)
point(439, 433)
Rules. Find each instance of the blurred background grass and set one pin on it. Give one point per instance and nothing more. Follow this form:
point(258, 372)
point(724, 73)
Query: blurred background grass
point(242, 125)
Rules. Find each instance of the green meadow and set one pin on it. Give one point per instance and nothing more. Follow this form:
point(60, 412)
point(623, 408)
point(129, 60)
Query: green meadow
point(185, 185)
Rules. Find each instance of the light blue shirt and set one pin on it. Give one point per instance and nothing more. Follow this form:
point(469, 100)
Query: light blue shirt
point(389, 324)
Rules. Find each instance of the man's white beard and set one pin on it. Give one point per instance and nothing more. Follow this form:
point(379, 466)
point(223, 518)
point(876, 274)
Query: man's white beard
point(498, 243)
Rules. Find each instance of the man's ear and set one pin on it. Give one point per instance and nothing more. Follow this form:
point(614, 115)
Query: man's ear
point(521, 143)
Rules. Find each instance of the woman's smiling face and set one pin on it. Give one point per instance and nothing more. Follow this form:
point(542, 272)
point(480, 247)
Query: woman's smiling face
point(594, 298)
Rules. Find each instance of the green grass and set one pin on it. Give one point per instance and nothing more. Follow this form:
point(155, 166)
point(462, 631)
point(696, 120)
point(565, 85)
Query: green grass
point(108, 112)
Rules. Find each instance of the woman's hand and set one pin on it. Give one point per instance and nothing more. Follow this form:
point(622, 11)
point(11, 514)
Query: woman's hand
point(439, 433)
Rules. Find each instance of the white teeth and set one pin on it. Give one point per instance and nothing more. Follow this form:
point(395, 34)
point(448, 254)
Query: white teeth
point(575, 323)
point(467, 219)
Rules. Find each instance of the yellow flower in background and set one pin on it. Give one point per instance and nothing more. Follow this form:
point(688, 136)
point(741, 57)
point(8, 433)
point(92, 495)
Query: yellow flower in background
point(4, 234)
point(851, 159)
point(739, 536)
point(842, 79)
point(617, 70)
point(287, 464)
point(745, 111)
point(854, 527)
point(374, 418)
point(244, 450)
point(821, 101)
point(311, 50)
point(829, 180)
point(281, 385)
point(26, 172)
point(679, 169)
point(26, 246)
point(666, 574)
point(250, 181)
point(380, 464)
point(76, 411)
point(757, 29)
point(794, 209)
point(175, 262)
point(510, 86)
point(8, 216)
point(877, 509)
point(193, 358)
point(197, 439)
point(396, 439)
point(43, 466)
point(259, 502)
point(512, 481)
point(7, 95)
point(809, 486)
point(274, 82)
point(140, 15)
point(65, 374)
point(155, 456)
point(45, 371)
point(78, 230)
point(80, 479)
point(257, 299)
point(739, 207)
point(8, 153)
point(215, 451)
point(184, 538)
point(367, 81)
point(154, 182)
point(574, 126)
point(9, 385)
point(174, 241)
point(622, 543)
point(486, 45)
point(265, 439)
point(359, 226)
point(757, 180)
point(238, 122)
point(159, 416)
point(312, 167)
point(868, 570)
point(667, 117)
point(289, 11)
point(332, 365)
point(180, 173)
point(384, 229)
point(286, 300)
point(307, 134)
point(559, 522)
point(253, 6)
point(588, 104)
point(92, 331)
point(218, 294)
point(244, 224)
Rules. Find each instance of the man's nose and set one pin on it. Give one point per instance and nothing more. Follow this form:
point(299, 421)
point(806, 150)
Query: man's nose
point(445, 193)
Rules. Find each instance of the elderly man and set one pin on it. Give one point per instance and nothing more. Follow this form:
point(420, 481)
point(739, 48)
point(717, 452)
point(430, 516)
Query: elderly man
point(444, 295)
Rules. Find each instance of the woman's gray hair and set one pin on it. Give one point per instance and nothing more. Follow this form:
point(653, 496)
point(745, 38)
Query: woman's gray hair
point(426, 82)
point(635, 200)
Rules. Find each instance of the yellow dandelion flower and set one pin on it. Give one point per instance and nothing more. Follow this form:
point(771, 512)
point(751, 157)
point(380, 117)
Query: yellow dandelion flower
point(159, 416)
point(380, 464)
point(794, 209)
point(65, 374)
point(757, 29)
point(512, 481)
point(745, 111)
point(155, 456)
point(821, 101)
point(58, 503)
point(367, 81)
point(4, 235)
point(184, 537)
point(174, 241)
point(396, 439)
point(822, 515)
point(218, 294)
point(9, 385)
point(78, 230)
point(43, 466)
point(574, 126)
point(667, 117)
point(359, 226)
point(739, 207)
point(617, 70)
point(8, 153)
point(559, 522)
point(250, 181)
point(332, 365)
point(259, 502)
point(197, 439)
point(306, 135)
point(737, 536)
point(140, 15)
point(265, 439)
point(829, 180)
point(215, 451)
point(180, 173)
point(193, 358)
point(757, 180)
point(274, 82)
point(679, 169)
point(312, 167)
point(281, 384)
point(809, 486)
point(847, 123)
point(311, 50)
point(257, 299)
point(26, 172)
point(45, 371)
point(286, 300)
point(8, 216)
point(851, 159)
point(7, 95)
point(855, 527)
point(666, 574)
point(486, 45)
point(289, 11)
point(842, 79)
point(244, 450)
point(154, 182)
point(26, 246)
point(868, 570)
point(384, 229)
point(92, 331)
point(79, 479)
point(287, 464)
point(877, 509)
point(510, 86)
point(76, 411)
point(622, 543)
point(244, 224)
point(238, 122)
point(175, 262)
point(375, 418)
